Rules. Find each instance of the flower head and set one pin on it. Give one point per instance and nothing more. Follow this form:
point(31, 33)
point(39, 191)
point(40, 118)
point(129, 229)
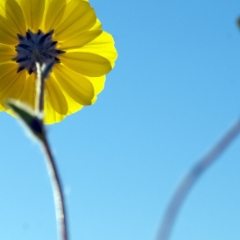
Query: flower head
point(64, 31)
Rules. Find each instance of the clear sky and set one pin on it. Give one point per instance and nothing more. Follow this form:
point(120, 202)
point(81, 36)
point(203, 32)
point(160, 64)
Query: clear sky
point(173, 92)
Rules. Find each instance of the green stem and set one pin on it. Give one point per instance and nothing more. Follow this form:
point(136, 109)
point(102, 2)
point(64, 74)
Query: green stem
point(190, 179)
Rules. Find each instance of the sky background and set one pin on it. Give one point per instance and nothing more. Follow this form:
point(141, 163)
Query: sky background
point(173, 92)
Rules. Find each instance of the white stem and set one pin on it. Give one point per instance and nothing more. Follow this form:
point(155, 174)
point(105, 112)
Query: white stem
point(190, 179)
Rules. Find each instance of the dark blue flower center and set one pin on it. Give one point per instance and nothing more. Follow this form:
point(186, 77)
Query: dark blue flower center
point(36, 47)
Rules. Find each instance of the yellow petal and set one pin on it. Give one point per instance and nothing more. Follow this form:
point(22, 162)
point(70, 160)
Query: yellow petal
point(73, 106)
point(50, 115)
point(8, 70)
point(88, 64)
point(97, 25)
point(29, 92)
point(6, 53)
point(98, 83)
point(7, 35)
point(55, 97)
point(33, 11)
point(15, 16)
point(54, 14)
point(2, 108)
point(102, 45)
point(2, 8)
point(11, 83)
point(79, 40)
point(75, 85)
point(78, 17)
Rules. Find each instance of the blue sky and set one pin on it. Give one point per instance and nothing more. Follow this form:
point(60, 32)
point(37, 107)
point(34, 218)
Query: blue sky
point(173, 92)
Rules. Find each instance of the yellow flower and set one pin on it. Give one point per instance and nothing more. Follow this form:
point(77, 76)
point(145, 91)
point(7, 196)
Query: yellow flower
point(66, 31)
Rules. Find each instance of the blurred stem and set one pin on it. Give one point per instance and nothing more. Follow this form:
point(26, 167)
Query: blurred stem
point(191, 177)
point(57, 190)
point(42, 73)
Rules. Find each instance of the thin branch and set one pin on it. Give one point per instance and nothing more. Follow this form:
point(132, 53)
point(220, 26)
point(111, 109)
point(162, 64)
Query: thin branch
point(190, 179)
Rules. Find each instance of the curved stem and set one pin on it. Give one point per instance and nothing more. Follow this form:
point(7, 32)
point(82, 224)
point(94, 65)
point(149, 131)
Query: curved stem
point(190, 178)
point(42, 73)
point(57, 191)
